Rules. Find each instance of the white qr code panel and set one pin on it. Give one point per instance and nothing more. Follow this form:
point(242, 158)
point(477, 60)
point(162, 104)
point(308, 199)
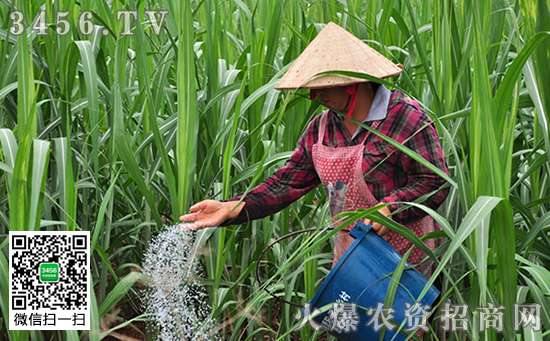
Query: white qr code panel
point(49, 280)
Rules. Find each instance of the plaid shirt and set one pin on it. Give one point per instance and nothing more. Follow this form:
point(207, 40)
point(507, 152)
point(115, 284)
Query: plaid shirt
point(390, 174)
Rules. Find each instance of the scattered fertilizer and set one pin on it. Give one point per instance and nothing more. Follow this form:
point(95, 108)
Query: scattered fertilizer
point(175, 298)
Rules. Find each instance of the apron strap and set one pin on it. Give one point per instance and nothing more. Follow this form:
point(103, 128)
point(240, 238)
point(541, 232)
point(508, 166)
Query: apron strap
point(323, 126)
point(374, 125)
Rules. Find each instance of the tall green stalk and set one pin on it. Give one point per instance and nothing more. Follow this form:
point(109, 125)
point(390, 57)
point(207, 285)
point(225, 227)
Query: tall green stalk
point(188, 115)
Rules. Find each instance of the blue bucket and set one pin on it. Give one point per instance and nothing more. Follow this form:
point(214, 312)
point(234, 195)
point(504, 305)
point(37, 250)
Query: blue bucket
point(362, 276)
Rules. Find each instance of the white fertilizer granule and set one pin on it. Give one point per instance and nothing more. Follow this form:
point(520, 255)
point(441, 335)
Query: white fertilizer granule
point(175, 298)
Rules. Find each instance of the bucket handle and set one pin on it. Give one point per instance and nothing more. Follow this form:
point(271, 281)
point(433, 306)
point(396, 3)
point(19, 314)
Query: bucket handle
point(269, 247)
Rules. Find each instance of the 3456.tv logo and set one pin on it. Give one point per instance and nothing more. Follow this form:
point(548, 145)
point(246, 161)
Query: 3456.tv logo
point(84, 22)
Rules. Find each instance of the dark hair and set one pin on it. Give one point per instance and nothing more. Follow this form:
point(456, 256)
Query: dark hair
point(374, 85)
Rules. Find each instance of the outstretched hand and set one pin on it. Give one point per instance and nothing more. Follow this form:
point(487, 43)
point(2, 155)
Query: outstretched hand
point(210, 213)
point(380, 229)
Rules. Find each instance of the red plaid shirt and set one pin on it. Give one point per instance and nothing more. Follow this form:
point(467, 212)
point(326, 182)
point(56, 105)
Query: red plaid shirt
point(397, 178)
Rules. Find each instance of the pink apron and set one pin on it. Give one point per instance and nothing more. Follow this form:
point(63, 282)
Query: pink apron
point(341, 173)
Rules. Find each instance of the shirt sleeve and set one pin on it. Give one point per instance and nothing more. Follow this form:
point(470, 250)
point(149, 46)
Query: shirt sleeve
point(424, 140)
point(287, 185)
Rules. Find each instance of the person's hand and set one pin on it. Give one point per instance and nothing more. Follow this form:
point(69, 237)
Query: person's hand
point(380, 229)
point(209, 213)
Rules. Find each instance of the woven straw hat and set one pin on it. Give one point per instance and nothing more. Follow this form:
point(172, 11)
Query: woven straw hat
point(335, 49)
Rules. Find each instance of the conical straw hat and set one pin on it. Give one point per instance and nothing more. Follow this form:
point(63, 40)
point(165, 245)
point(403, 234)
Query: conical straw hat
point(335, 49)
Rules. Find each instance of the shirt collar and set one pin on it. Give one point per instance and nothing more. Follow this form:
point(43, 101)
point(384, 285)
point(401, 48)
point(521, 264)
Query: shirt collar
point(379, 107)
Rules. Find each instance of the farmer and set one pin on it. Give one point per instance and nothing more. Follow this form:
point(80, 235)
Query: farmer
point(356, 168)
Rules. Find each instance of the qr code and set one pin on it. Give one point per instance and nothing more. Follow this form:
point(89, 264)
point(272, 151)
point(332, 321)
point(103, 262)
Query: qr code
point(49, 280)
